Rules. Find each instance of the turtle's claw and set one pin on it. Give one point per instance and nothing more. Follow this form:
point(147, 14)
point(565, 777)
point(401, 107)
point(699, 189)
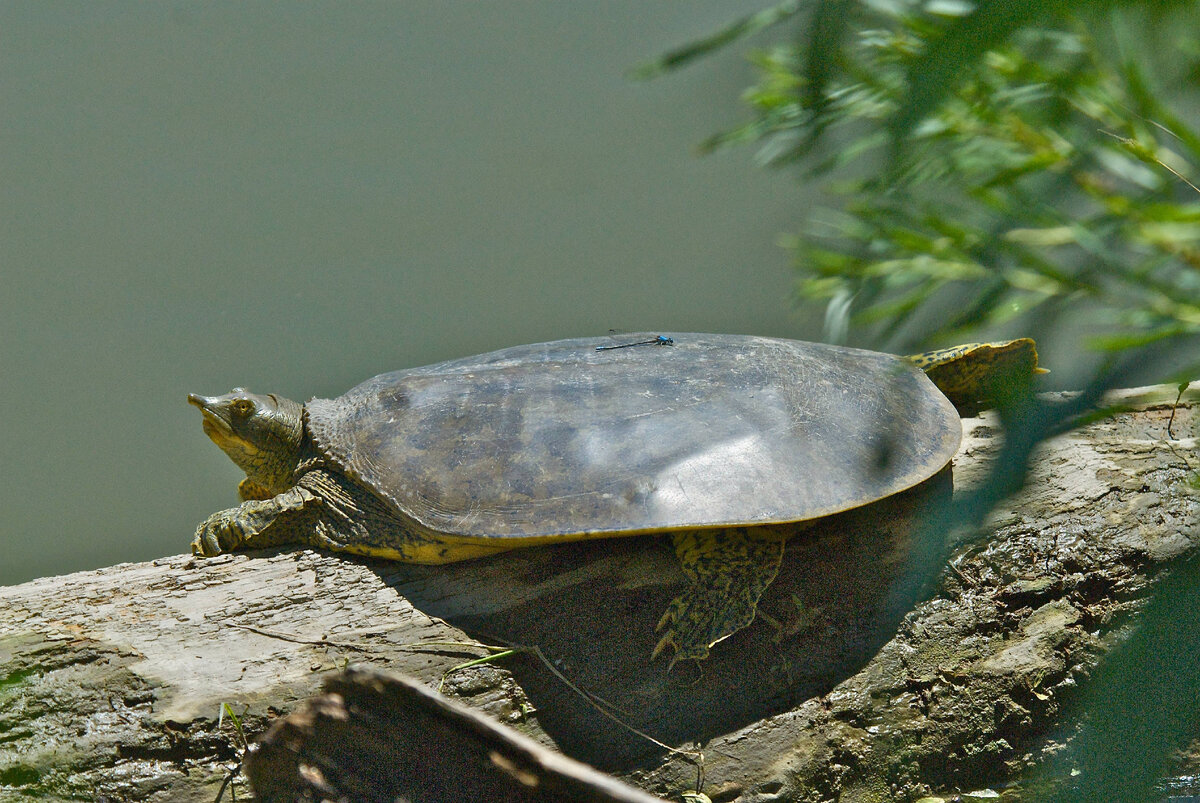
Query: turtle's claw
point(668, 638)
point(218, 534)
point(678, 654)
point(205, 544)
point(691, 628)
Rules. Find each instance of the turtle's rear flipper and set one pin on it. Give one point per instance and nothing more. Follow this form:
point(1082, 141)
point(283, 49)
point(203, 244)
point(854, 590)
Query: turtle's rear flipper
point(976, 376)
point(728, 570)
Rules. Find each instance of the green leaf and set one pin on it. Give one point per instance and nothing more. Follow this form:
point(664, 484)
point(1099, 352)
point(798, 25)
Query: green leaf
point(750, 24)
point(1128, 340)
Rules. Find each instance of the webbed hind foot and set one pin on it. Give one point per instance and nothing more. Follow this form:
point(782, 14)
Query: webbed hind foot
point(729, 569)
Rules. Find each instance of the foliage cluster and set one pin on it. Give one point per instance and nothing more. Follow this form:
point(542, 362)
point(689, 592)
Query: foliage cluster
point(1001, 167)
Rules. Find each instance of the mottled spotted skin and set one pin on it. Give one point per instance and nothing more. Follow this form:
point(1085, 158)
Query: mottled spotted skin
point(728, 571)
point(295, 493)
point(975, 375)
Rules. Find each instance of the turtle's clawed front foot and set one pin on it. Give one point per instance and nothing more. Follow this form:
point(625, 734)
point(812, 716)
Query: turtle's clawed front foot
point(698, 619)
point(219, 533)
point(254, 524)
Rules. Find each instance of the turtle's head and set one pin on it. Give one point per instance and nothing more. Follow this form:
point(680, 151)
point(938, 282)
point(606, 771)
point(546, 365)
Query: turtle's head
point(264, 435)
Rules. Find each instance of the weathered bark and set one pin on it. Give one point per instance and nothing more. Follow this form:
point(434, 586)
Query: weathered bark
point(373, 737)
point(111, 681)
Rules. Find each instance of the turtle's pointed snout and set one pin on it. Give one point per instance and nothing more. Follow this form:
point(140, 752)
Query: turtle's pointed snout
point(209, 405)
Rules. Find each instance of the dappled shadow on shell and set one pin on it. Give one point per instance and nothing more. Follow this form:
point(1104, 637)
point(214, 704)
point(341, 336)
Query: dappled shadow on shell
point(591, 607)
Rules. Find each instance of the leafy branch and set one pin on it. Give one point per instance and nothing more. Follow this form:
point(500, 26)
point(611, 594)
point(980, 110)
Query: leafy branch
point(997, 167)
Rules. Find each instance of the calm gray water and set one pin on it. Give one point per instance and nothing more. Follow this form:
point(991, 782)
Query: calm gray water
point(295, 198)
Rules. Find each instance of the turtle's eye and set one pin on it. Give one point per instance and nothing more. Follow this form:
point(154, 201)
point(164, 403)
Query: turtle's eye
point(242, 407)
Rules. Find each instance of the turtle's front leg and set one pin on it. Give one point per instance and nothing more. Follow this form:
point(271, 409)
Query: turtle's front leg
point(255, 524)
point(728, 570)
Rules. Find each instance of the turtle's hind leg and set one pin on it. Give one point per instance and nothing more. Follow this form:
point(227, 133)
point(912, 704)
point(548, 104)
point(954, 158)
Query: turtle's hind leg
point(728, 570)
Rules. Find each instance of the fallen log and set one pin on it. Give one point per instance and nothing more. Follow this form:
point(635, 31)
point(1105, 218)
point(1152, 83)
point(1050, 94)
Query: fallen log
point(112, 682)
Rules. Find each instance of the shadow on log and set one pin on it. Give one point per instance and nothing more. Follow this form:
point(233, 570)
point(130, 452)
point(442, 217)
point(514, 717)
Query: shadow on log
point(592, 608)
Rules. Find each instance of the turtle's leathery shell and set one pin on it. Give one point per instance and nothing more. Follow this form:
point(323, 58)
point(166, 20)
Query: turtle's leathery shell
point(558, 439)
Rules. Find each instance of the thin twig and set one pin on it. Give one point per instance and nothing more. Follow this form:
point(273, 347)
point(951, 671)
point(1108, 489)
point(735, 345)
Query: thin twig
point(297, 640)
point(594, 700)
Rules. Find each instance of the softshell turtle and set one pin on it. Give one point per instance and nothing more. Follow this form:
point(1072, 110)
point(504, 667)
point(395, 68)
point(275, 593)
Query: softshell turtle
point(723, 441)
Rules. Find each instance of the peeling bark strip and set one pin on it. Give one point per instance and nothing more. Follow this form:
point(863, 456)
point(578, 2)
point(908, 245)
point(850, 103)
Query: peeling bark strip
point(371, 738)
point(111, 681)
